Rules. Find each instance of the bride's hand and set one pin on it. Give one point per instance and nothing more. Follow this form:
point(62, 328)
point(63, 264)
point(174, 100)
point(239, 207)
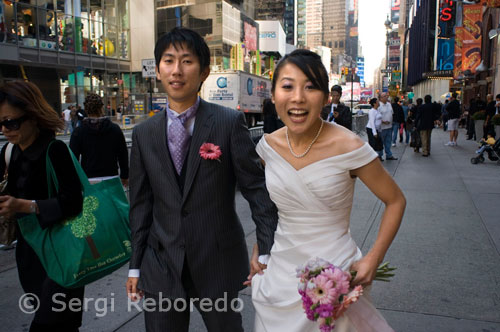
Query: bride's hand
point(366, 269)
point(255, 266)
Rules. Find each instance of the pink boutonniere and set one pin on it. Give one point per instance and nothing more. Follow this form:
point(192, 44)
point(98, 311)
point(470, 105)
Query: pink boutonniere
point(209, 151)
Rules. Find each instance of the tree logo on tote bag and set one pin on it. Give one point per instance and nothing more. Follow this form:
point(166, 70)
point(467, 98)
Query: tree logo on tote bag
point(84, 225)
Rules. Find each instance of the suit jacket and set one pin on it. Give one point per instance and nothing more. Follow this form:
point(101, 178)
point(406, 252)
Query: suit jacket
point(198, 224)
point(344, 118)
point(426, 115)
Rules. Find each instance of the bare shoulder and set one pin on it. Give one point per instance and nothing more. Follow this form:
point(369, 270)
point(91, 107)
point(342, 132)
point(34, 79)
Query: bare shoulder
point(275, 137)
point(342, 140)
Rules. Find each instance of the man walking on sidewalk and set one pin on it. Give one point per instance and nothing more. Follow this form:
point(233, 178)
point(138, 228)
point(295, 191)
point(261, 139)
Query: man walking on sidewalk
point(385, 110)
point(453, 109)
point(426, 115)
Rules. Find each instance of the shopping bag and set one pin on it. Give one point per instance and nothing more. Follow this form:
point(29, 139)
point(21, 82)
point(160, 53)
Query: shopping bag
point(90, 246)
point(7, 224)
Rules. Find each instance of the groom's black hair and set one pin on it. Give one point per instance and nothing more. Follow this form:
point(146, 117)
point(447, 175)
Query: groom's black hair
point(310, 64)
point(182, 37)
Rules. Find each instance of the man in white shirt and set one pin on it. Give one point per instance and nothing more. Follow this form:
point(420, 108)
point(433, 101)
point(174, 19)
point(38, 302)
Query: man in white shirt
point(67, 120)
point(385, 110)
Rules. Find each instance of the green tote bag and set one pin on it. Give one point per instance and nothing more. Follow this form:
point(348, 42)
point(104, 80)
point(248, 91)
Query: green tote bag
point(90, 246)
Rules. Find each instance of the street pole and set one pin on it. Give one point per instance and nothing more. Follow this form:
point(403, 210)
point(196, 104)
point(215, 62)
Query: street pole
point(150, 94)
point(352, 86)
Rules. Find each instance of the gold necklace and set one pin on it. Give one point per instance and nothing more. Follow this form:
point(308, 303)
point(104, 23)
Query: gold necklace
point(310, 145)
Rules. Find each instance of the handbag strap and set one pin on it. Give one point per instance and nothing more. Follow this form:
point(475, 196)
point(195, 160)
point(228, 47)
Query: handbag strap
point(52, 176)
point(8, 155)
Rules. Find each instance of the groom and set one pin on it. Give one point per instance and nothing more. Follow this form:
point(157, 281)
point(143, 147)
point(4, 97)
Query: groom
point(187, 240)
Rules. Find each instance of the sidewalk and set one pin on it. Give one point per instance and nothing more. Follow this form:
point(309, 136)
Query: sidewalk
point(447, 251)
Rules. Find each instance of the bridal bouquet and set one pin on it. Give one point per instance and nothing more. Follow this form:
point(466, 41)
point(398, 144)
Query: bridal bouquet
point(326, 293)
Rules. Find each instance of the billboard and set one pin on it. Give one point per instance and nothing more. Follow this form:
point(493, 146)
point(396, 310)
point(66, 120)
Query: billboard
point(457, 63)
point(361, 70)
point(249, 30)
point(471, 51)
point(272, 38)
point(395, 5)
point(445, 53)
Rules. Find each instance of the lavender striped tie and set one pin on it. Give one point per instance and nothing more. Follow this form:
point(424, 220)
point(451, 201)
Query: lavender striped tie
point(178, 137)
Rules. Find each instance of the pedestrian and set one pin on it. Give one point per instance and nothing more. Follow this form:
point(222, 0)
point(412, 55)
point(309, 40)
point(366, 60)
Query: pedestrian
point(119, 112)
point(407, 132)
point(66, 114)
point(453, 109)
point(100, 143)
point(444, 115)
point(80, 114)
point(471, 130)
point(398, 119)
point(491, 108)
point(74, 118)
point(29, 123)
point(373, 128)
point(337, 111)
point(426, 115)
point(271, 120)
point(385, 110)
point(416, 142)
point(187, 241)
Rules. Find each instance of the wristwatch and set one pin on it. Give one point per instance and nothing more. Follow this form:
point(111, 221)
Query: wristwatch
point(33, 207)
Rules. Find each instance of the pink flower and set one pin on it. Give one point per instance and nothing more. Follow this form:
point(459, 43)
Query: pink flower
point(340, 279)
point(347, 301)
point(210, 151)
point(324, 292)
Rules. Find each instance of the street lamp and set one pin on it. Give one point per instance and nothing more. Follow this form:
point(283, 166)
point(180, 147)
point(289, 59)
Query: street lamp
point(388, 27)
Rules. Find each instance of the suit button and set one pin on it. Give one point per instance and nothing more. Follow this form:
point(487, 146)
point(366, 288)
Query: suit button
point(184, 213)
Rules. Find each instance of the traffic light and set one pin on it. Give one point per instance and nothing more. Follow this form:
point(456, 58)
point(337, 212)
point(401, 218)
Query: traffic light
point(346, 71)
point(271, 75)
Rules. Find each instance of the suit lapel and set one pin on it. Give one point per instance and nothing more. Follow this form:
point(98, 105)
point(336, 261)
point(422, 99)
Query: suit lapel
point(202, 128)
point(160, 130)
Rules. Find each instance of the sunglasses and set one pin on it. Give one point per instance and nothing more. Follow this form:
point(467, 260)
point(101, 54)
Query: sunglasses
point(13, 124)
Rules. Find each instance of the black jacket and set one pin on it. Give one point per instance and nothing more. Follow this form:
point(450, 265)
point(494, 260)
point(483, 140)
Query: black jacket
point(344, 118)
point(426, 115)
point(398, 115)
point(28, 180)
point(102, 147)
point(453, 109)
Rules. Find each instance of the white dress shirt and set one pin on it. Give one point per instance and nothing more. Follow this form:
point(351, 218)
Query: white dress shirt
point(374, 120)
point(386, 112)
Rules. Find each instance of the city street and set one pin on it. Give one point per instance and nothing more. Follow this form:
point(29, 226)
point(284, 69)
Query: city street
point(447, 252)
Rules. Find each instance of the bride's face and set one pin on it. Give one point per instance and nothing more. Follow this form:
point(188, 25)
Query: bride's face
point(297, 102)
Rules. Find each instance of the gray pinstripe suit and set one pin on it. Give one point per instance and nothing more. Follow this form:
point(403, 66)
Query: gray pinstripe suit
point(199, 225)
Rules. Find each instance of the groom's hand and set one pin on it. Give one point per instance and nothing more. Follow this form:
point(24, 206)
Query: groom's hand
point(132, 292)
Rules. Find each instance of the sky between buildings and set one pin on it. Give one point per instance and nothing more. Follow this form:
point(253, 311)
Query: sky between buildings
point(372, 15)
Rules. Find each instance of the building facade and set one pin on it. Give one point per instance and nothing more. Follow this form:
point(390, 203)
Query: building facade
point(68, 48)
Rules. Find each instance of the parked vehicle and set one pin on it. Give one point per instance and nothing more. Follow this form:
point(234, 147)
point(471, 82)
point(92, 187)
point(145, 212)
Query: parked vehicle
point(361, 109)
point(238, 90)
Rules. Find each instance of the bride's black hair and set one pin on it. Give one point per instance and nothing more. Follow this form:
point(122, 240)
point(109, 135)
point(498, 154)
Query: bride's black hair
point(310, 64)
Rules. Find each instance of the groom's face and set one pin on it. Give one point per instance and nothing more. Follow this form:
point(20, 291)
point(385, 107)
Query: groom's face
point(180, 73)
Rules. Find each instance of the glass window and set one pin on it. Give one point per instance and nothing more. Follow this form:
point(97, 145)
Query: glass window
point(66, 32)
point(124, 39)
point(96, 10)
point(47, 29)
point(96, 37)
point(110, 15)
point(26, 25)
point(110, 44)
point(68, 91)
point(8, 29)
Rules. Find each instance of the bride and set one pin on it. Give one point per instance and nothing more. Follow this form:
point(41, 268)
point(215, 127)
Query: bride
point(311, 167)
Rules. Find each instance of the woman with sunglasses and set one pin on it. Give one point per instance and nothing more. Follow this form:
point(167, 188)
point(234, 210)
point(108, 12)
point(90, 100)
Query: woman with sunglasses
point(28, 122)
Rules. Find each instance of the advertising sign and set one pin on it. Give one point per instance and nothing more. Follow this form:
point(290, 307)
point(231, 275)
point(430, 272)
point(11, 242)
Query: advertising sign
point(447, 13)
point(471, 51)
point(457, 63)
point(395, 5)
point(446, 53)
point(272, 37)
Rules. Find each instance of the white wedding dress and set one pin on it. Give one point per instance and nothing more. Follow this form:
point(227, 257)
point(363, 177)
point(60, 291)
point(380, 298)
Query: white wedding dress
point(314, 207)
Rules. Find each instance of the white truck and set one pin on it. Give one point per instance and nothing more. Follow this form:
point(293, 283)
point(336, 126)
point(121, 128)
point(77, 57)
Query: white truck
point(238, 90)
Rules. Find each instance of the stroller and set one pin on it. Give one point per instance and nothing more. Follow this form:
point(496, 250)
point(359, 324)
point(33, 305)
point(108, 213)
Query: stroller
point(492, 151)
